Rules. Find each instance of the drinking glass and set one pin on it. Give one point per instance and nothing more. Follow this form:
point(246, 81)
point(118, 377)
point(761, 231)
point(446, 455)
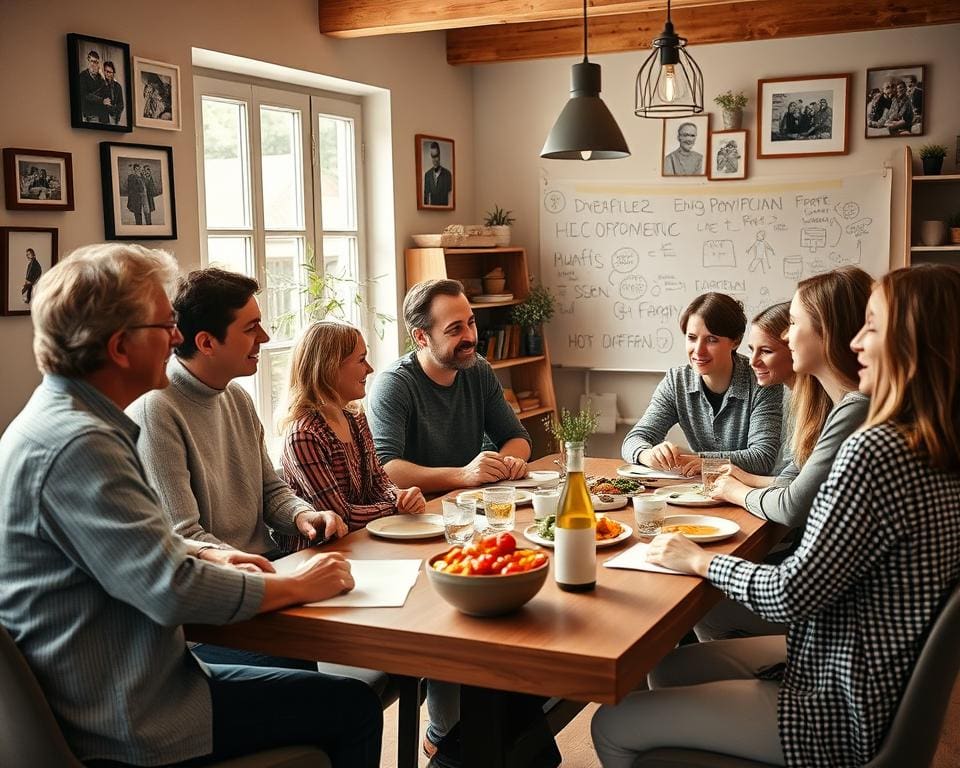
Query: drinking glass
point(710, 470)
point(649, 513)
point(459, 519)
point(545, 502)
point(499, 503)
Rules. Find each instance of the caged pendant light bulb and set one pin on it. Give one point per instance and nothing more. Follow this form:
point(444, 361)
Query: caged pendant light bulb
point(585, 129)
point(669, 84)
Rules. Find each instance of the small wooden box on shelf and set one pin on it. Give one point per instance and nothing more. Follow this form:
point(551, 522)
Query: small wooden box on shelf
point(928, 198)
point(522, 372)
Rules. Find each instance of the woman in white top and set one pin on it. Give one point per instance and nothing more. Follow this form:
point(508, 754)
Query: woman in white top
point(879, 554)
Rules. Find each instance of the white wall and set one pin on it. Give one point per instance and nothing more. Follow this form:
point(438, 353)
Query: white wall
point(427, 96)
point(515, 105)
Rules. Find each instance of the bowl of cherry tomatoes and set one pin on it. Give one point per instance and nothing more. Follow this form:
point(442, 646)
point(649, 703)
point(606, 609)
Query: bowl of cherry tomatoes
point(488, 577)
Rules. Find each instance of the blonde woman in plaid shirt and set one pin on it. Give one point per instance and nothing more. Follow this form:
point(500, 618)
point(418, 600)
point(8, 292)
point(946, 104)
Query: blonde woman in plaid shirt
point(879, 554)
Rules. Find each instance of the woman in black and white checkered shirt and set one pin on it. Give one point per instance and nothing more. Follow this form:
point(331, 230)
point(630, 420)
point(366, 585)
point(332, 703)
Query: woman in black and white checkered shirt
point(879, 554)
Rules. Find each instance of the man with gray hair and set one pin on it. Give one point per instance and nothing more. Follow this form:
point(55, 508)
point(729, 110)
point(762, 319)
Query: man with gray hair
point(438, 415)
point(95, 586)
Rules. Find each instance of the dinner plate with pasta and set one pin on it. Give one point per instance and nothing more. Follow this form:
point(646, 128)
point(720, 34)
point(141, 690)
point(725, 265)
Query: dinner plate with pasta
point(702, 528)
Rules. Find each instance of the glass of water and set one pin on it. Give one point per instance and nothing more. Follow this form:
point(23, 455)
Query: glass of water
point(710, 469)
point(649, 513)
point(459, 515)
point(500, 506)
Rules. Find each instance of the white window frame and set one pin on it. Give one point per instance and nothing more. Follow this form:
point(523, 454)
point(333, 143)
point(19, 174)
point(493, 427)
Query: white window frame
point(310, 106)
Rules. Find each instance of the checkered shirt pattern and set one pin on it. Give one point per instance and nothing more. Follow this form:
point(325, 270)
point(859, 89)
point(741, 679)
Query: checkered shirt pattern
point(879, 555)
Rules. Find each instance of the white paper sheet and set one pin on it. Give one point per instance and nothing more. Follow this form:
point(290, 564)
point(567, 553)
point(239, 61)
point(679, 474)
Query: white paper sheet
point(379, 583)
point(635, 559)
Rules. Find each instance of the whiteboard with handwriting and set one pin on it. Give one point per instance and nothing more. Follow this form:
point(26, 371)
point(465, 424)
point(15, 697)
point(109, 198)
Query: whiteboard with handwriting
point(624, 259)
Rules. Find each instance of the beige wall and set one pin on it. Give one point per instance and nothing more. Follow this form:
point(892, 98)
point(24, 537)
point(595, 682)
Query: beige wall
point(515, 105)
point(427, 96)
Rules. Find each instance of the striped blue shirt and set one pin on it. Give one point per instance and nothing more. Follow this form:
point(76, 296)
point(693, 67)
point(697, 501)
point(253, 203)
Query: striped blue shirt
point(745, 430)
point(94, 585)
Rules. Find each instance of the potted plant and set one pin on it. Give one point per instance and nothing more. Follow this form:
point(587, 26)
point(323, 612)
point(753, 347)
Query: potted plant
point(500, 220)
point(931, 155)
point(535, 310)
point(732, 105)
point(954, 225)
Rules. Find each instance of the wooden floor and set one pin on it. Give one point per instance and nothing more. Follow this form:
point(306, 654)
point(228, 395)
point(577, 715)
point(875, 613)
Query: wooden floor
point(577, 748)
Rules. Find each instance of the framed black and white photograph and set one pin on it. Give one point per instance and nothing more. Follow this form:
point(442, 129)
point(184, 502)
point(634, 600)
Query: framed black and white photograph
point(100, 78)
point(26, 253)
point(436, 173)
point(37, 179)
point(138, 196)
point(684, 146)
point(156, 94)
point(803, 116)
point(728, 155)
point(895, 101)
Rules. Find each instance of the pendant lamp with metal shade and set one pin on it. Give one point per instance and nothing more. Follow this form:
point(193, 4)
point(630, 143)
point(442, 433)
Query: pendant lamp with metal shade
point(669, 84)
point(585, 129)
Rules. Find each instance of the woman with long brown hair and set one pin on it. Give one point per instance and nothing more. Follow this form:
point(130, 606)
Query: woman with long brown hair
point(328, 455)
point(880, 552)
point(825, 314)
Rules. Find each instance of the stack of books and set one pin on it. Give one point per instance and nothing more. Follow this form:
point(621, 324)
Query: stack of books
point(500, 343)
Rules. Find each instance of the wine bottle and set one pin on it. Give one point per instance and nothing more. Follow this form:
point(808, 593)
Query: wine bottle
point(575, 537)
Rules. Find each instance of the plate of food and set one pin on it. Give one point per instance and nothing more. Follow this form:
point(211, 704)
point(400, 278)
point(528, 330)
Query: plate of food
point(702, 528)
point(689, 495)
point(407, 526)
point(617, 486)
point(522, 496)
point(609, 531)
point(604, 501)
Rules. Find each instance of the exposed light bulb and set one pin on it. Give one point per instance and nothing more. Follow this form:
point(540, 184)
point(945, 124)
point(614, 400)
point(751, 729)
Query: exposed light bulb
point(586, 154)
point(671, 87)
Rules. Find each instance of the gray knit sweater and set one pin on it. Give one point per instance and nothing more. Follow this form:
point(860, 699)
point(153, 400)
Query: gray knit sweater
point(204, 454)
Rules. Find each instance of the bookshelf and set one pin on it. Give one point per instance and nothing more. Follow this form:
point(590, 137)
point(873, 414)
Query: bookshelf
point(521, 373)
point(928, 197)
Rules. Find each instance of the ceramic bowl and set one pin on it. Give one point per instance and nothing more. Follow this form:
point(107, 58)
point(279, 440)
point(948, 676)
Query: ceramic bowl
point(486, 595)
point(494, 284)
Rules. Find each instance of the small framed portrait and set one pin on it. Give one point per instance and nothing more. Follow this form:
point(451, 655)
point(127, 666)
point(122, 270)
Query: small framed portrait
point(99, 83)
point(436, 173)
point(895, 101)
point(38, 179)
point(138, 196)
point(156, 89)
point(803, 116)
point(728, 155)
point(684, 146)
point(26, 253)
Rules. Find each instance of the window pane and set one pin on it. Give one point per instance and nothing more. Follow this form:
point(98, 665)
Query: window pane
point(226, 164)
point(282, 163)
point(278, 367)
point(338, 173)
point(233, 253)
point(285, 283)
point(341, 269)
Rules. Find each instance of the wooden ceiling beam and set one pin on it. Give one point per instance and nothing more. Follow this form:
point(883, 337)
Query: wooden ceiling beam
point(363, 18)
point(730, 22)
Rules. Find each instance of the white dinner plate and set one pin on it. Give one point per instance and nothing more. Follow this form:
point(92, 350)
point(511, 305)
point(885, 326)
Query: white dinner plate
point(530, 534)
point(640, 472)
point(616, 501)
point(534, 479)
point(522, 496)
point(688, 495)
point(407, 526)
point(725, 528)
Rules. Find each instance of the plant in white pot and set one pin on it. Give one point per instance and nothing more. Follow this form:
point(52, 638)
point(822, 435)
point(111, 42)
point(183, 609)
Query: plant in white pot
point(732, 105)
point(531, 314)
point(500, 220)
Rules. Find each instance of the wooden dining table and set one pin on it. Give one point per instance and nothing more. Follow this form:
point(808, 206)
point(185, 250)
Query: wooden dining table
point(594, 646)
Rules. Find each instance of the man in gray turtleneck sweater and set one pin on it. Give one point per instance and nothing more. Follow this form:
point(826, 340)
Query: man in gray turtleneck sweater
point(200, 438)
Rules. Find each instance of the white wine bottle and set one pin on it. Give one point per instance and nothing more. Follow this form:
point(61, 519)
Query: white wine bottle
point(575, 540)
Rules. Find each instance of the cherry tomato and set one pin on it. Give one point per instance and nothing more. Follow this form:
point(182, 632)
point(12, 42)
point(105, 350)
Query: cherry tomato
point(511, 568)
point(499, 544)
point(482, 565)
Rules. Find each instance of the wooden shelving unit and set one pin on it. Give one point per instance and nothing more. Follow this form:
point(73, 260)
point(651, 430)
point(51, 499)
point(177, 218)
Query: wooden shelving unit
point(529, 372)
point(928, 197)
